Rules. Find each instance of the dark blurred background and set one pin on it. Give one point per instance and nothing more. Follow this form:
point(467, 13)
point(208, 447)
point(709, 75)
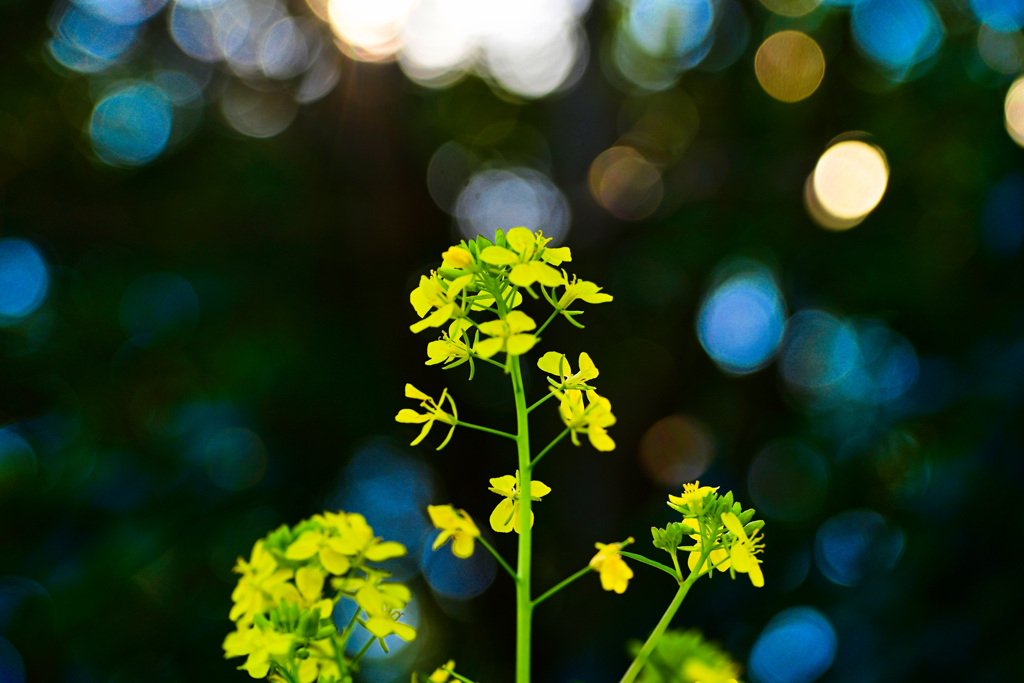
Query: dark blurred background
point(811, 217)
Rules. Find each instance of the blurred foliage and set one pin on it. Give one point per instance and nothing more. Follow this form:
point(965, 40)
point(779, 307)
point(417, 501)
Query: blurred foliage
point(225, 329)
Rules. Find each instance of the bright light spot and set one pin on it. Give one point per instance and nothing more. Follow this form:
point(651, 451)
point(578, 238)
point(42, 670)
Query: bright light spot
point(628, 186)
point(848, 183)
point(788, 481)
point(510, 198)
point(257, 113)
point(1002, 222)
point(132, 125)
point(439, 40)
point(87, 42)
point(897, 34)
point(236, 459)
point(17, 462)
point(320, 78)
point(448, 173)
point(664, 28)
point(820, 351)
point(730, 38)
point(371, 28)
point(284, 51)
point(24, 280)
point(676, 449)
point(182, 89)
point(1000, 15)
point(740, 323)
point(123, 11)
point(455, 578)
point(798, 645)
point(192, 30)
point(791, 8)
point(1003, 52)
point(157, 307)
point(1013, 110)
point(856, 544)
point(887, 366)
point(789, 65)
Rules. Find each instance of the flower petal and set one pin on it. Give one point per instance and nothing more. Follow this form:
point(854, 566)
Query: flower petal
point(498, 256)
point(503, 515)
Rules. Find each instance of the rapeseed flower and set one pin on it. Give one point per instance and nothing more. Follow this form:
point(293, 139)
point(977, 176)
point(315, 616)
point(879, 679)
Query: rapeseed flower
point(260, 644)
point(691, 501)
point(258, 586)
point(743, 549)
point(615, 573)
point(557, 364)
point(584, 290)
point(592, 418)
point(510, 335)
point(718, 558)
point(505, 516)
point(455, 525)
point(452, 348)
point(382, 604)
point(437, 293)
point(433, 413)
point(352, 536)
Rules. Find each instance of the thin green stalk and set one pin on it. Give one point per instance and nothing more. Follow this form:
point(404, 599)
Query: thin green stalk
point(459, 677)
point(547, 448)
point(499, 558)
point(659, 631)
point(539, 402)
point(548, 321)
point(363, 649)
point(652, 563)
point(496, 432)
point(562, 585)
point(524, 604)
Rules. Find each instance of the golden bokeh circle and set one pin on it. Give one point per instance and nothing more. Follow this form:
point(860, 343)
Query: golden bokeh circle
point(1013, 110)
point(789, 65)
point(849, 181)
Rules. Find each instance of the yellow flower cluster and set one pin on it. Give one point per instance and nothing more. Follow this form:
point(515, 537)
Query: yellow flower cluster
point(592, 417)
point(615, 573)
point(288, 589)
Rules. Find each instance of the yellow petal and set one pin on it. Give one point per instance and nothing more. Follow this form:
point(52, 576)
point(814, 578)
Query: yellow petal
point(539, 489)
point(308, 670)
point(305, 546)
point(456, 257)
point(599, 438)
point(556, 255)
point(443, 516)
point(385, 551)
point(462, 546)
point(442, 538)
point(380, 626)
point(334, 562)
point(408, 415)
point(404, 631)
point(503, 485)
point(547, 276)
point(502, 516)
point(520, 239)
point(554, 363)
point(518, 344)
point(423, 432)
point(732, 523)
point(498, 256)
point(310, 582)
point(485, 348)
point(413, 392)
point(587, 368)
point(519, 322)
point(494, 328)
point(756, 577)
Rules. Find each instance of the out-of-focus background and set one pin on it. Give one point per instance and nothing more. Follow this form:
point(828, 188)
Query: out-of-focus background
point(811, 217)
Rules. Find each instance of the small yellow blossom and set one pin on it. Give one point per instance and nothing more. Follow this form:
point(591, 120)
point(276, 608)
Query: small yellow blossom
point(701, 672)
point(452, 348)
point(259, 645)
point(509, 335)
point(442, 673)
point(434, 413)
point(505, 517)
point(557, 364)
point(261, 579)
point(743, 549)
point(615, 573)
point(456, 525)
point(435, 292)
point(718, 558)
point(691, 501)
point(383, 604)
point(592, 418)
point(531, 261)
point(456, 257)
point(581, 289)
point(352, 536)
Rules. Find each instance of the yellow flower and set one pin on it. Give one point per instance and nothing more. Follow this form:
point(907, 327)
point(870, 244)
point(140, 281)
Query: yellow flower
point(382, 604)
point(691, 500)
point(557, 364)
point(315, 542)
point(615, 573)
point(529, 258)
point(260, 645)
point(581, 289)
point(505, 517)
point(508, 335)
point(452, 349)
point(442, 673)
point(322, 662)
point(458, 526)
point(701, 672)
point(352, 536)
point(435, 292)
point(261, 578)
point(456, 257)
point(434, 413)
point(719, 557)
point(591, 419)
point(743, 549)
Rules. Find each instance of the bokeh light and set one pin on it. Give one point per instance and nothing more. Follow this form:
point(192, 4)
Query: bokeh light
point(131, 125)
point(17, 461)
point(511, 197)
point(236, 459)
point(456, 578)
point(1000, 15)
point(1013, 111)
point(856, 544)
point(789, 65)
point(820, 350)
point(89, 42)
point(741, 321)
point(12, 667)
point(157, 307)
point(1002, 52)
point(676, 449)
point(257, 113)
point(791, 8)
point(1002, 221)
point(847, 184)
point(896, 34)
point(628, 186)
point(886, 367)
point(797, 646)
point(788, 481)
point(671, 27)
point(24, 280)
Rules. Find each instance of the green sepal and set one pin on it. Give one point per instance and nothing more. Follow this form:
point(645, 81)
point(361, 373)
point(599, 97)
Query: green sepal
point(302, 653)
point(309, 622)
point(499, 238)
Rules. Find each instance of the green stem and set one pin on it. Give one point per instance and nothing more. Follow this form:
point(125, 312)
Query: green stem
point(524, 604)
point(363, 649)
point(546, 397)
point(659, 631)
point(547, 448)
point(499, 558)
point(460, 423)
point(652, 563)
point(548, 321)
point(459, 677)
point(562, 585)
